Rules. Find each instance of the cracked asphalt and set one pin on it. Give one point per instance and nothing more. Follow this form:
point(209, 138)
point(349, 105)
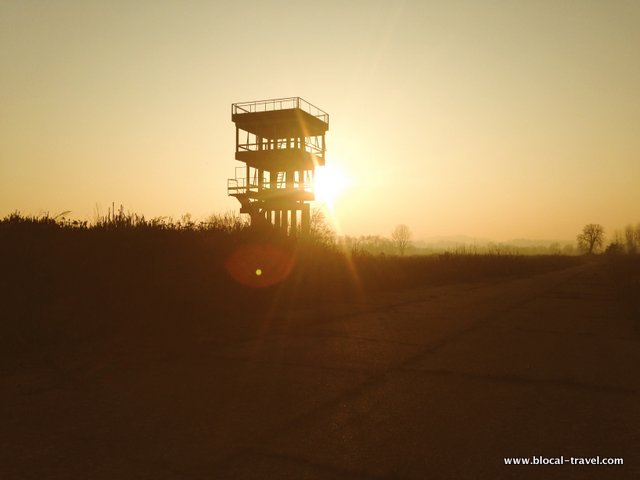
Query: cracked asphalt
point(438, 382)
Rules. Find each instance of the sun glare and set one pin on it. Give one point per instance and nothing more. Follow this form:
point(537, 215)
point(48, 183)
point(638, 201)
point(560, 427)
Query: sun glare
point(330, 182)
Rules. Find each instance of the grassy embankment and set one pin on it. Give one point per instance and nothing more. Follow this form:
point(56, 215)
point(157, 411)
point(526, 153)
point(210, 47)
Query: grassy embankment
point(66, 281)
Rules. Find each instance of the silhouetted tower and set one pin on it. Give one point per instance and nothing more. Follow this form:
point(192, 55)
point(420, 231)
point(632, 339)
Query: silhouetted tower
point(280, 142)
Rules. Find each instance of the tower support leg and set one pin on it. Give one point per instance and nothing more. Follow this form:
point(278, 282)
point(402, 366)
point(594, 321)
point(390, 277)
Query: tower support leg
point(294, 222)
point(305, 220)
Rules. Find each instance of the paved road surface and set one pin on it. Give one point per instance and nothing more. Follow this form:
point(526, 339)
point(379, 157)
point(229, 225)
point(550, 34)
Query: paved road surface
point(431, 383)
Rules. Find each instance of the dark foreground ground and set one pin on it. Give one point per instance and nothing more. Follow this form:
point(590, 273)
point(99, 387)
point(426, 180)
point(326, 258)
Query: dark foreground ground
point(426, 382)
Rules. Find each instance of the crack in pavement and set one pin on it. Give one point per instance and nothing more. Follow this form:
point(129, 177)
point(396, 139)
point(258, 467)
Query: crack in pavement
point(517, 379)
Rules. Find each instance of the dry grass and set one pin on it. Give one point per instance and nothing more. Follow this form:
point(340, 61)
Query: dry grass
point(63, 280)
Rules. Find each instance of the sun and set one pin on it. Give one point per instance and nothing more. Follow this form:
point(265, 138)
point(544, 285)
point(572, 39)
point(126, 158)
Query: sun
point(330, 182)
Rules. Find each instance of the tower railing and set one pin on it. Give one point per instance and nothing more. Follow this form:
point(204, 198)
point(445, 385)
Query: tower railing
point(279, 104)
point(257, 147)
point(240, 185)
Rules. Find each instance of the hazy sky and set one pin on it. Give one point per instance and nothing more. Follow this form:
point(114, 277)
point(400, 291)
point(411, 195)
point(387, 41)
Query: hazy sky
point(500, 119)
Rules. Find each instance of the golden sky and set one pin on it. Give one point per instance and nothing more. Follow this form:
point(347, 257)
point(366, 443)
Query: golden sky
point(496, 119)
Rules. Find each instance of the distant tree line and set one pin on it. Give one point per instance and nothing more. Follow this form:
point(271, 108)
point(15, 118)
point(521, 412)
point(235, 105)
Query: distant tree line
point(592, 240)
point(626, 241)
point(378, 245)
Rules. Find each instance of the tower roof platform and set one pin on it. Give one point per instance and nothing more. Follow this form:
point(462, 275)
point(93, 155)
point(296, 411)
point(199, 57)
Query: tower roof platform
point(280, 118)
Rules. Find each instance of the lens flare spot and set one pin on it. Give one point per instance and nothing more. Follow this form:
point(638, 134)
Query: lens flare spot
point(259, 265)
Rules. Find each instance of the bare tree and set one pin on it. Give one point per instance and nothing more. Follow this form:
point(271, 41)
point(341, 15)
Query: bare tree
point(320, 230)
point(401, 238)
point(591, 238)
point(631, 239)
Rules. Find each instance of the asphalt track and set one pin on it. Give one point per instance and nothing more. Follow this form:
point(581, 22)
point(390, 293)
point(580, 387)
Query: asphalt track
point(438, 383)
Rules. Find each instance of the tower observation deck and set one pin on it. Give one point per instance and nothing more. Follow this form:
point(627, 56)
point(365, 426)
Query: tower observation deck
point(279, 142)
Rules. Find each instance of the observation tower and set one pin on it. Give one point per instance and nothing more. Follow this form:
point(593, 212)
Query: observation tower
point(279, 142)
